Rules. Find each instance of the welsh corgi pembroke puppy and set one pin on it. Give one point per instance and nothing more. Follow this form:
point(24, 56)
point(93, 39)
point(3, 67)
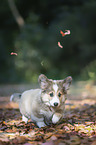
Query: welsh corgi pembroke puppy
point(46, 105)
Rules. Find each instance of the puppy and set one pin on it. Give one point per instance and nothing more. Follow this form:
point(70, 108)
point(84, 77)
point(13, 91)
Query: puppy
point(46, 105)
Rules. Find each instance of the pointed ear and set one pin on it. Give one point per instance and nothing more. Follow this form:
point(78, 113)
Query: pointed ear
point(43, 81)
point(67, 82)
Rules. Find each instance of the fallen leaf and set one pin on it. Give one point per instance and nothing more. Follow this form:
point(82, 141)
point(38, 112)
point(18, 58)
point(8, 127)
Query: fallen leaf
point(19, 140)
point(48, 143)
point(3, 138)
point(27, 144)
point(53, 137)
point(66, 128)
point(74, 140)
point(93, 143)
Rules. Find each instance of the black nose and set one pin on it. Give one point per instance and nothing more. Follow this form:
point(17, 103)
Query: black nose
point(55, 104)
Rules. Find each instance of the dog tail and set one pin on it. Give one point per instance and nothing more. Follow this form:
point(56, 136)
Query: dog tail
point(15, 97)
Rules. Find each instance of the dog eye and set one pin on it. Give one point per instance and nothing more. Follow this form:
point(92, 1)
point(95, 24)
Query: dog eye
point(59, 94)
point(51, 94)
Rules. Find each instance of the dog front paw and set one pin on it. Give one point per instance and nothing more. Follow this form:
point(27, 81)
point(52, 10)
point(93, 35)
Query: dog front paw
point(48, 121)
point(56, 117)
point(40, 124)
point(25, 119)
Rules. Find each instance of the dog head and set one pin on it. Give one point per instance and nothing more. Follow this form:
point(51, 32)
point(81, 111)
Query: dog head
point(54, 91)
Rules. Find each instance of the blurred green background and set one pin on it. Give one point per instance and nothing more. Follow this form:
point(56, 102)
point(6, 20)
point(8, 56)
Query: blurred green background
point(32, 30)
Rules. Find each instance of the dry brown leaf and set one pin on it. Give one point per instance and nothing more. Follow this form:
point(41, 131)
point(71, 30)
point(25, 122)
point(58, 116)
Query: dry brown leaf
point(94, 143)
point(74, 140)
point(48, 143)
point(27, 144)
point(19, 139)
point(53, 137)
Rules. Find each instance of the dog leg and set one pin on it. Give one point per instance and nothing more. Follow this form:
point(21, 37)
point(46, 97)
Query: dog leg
point(40, 124)
point(56, 117)
point(25, 119)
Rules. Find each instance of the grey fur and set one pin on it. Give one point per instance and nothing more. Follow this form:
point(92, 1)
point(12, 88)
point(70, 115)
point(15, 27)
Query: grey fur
point(15, 97)
point(30, 105)
point(35, 105)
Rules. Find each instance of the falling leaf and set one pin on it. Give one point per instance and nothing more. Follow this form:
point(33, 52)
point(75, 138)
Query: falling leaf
point(13, 53)
point(62, 33)
point(66, 33)
point(60, 45)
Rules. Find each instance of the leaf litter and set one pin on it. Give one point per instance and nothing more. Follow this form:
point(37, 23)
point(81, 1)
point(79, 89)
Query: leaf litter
point(77, 128)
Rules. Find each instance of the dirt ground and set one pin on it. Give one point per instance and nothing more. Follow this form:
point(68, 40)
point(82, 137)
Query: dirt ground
point(77, 128)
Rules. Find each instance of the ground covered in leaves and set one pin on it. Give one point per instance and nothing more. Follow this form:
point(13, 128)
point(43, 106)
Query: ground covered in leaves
point(77, 128)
